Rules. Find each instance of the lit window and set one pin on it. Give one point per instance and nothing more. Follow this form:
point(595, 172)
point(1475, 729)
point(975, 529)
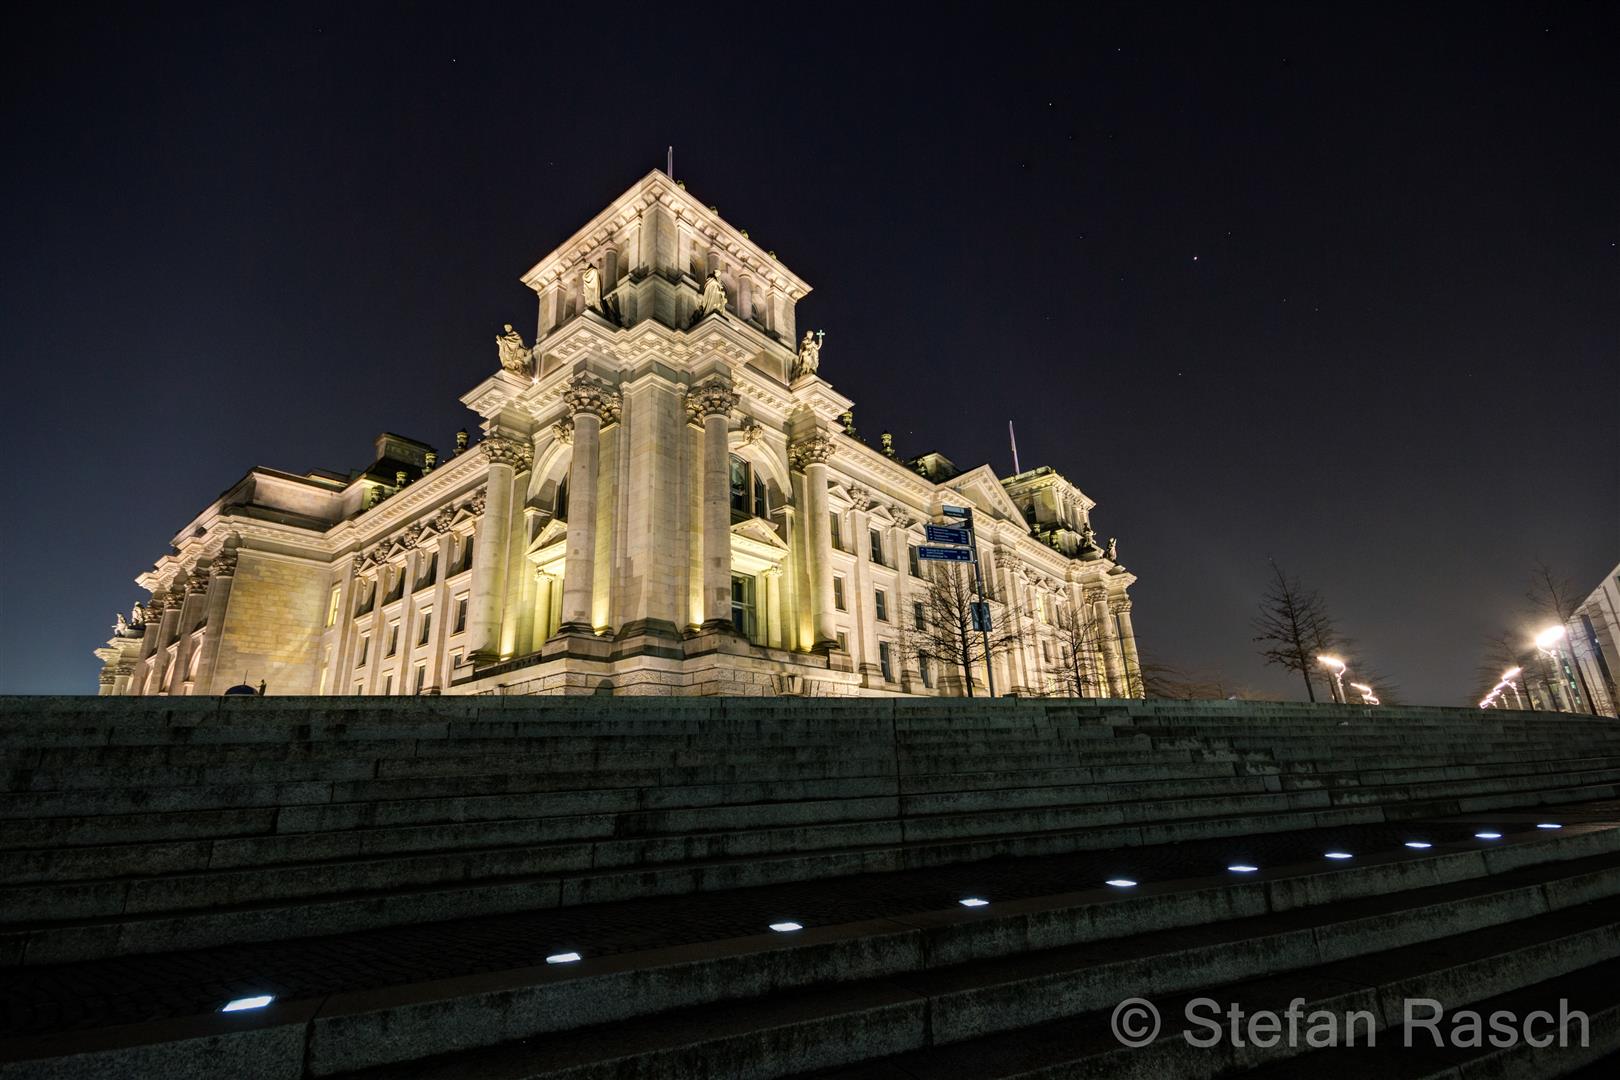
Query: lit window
point(742, 604)
point(747, 491)
point(880, 604)
point(838, 593)
point(332, 606)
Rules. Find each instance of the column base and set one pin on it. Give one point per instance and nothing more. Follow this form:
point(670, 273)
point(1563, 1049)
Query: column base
point(718, 626)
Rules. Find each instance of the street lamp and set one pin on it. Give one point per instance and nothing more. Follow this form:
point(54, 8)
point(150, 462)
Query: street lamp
point(1338, 668)
point(1547, 641)
point(1367, 696)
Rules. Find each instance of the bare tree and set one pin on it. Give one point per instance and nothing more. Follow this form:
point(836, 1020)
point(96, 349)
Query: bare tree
point(946, 635)
point(1552, 596)
point(1293, 626)
point(1080, 650)
point(1497, 656)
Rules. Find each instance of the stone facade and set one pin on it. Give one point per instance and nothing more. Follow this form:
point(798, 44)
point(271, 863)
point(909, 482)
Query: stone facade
point(670, 500)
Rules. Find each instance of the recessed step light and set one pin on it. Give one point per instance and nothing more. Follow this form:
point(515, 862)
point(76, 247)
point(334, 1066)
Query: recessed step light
point(248, 1003)
point(1120, 882)
point(563, 958)
point(1242, 868)
point(1338, 855)
point(786, 927)
point(1419, 844)
point(973, 901)
point(1549, 825)
point(1488, 835)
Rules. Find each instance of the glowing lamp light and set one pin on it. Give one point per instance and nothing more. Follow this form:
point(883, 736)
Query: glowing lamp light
point(563, 958)
point(1488, 836)
point(1120, 882)
point(248, 1003)
point(1338, 855)
point(973, 901)
point(1549, 825)
point(1549, 636)
point(786, 927)
point(1242, 868)
point(1419, 845)
point(1332, 662)
point(1511, 673)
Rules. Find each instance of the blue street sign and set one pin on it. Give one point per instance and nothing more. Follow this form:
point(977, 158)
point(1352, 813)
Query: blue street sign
point(956, 511)
point(981, 616)
point(946, 534)
point(944, 554)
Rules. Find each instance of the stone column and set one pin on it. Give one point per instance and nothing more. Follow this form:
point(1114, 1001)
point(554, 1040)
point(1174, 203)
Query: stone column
point(443, 617)
point(1107, 639)
point(221, 575)
point(524, 640)
point(149, 637)
point(899, 552)
point(772, 608)
point(489, 553)
point(196, 587)
point(343, 663)
point(160, 659)
point(1127, 640)
point(591, 405)
point(861, 599)
point(811, 454)
point(544, 583)
point(710, 403)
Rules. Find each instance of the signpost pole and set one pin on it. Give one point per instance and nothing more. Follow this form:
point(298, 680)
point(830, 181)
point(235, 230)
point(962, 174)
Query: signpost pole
point(978, 585)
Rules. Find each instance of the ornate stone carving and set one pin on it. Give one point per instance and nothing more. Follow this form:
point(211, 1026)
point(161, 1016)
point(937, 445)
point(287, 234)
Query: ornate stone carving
point(1120, 605)
point(513, 353)
point(813, 449)
point(713, 299)
point(137, 615)
point(563, 430)
point(197, 582)
point(859, 497)
point(172, 600)
point(360, 561)
point(120, 627)
point(475, 505)
point(902, 517)
point(591, 288)
point(809, 359)
point(1094, 594)
point(511, 452)
point(752, 431)
point(586, 395)
point(442, 520)
point(709, 398)
point(107, 677)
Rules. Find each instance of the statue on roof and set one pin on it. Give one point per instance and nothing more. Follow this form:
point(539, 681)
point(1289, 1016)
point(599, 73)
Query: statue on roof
point(1113, 548)
point(514, 354)
point(120, 627)
point(591, 284)
point(714, 296)
point(137, 614)
point(809, 354)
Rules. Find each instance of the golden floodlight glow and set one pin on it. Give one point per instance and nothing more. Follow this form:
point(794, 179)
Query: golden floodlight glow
point(1547, 637)
point(1333, 662)
point(1511, 673)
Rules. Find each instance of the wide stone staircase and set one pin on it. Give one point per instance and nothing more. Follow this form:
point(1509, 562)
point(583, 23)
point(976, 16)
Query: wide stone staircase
point(395, 873)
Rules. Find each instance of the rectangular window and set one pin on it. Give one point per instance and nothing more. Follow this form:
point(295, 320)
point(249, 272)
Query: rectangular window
point(915, 563)
point(431, 574)
point(393, 639)
point(922, 670)
point(876, 538)
point(843, 641)
point(739, 488)
point(455, 660)
point(421, 677)
point(465, 562)
point(742, 604)
point(388, 683)
point(427, 624)
point(461, 615)
point(359, 688)
point(837, 533)
point(332, 605)
point(838, 593)
point(880, 604)
point(885, 661)
point(365, 647)
point(919, 617)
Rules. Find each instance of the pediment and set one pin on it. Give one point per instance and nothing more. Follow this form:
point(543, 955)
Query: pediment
point(552, 532)
point(760, 532)
point(984, 490)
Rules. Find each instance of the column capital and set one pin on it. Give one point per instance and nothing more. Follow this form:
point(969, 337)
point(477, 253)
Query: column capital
point(1120, 605)
point(813, 449)
point(173, 599)
point(587, 396)
point(712, 397)
point(1095, 594)
point(197, 582)
point(224, 564)
point(501, 450)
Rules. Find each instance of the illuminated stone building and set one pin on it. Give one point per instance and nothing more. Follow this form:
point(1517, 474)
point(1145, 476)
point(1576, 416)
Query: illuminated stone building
point(665, 497)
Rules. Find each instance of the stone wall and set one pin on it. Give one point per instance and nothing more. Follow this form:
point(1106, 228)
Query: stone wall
point(273, 625)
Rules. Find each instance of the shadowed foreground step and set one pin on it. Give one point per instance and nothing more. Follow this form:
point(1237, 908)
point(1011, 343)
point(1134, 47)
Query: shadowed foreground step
point(595, 826)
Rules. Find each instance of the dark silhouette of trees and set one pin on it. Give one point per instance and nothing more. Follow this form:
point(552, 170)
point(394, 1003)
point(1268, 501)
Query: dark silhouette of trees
point(1293, 626)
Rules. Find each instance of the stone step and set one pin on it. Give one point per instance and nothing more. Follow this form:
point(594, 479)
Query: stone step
point(1474, 930)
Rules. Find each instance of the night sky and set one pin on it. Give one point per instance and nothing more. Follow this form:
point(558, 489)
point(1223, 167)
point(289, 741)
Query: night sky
point(1339, 286)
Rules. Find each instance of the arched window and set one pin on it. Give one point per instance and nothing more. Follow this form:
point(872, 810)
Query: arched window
point(748, 496)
